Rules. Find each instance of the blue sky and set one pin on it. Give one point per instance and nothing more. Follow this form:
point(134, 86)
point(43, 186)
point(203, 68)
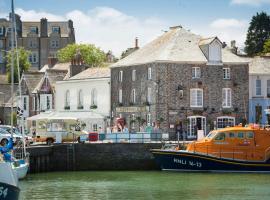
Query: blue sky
point(113, 24)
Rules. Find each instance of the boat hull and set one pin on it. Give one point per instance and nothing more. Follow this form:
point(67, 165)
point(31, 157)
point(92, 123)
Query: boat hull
point(187, 161)
point(9, 192)
point(21, 170)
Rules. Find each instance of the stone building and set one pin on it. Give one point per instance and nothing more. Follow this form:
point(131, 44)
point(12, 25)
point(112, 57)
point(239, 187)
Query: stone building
point(43, 39)
point(183, 82)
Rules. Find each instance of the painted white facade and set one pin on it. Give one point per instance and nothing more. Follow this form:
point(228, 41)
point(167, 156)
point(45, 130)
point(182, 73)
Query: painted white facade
point(93, 117)
point(252, 85)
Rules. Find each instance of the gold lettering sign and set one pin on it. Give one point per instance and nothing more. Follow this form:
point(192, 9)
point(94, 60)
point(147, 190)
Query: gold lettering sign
point(130, 109)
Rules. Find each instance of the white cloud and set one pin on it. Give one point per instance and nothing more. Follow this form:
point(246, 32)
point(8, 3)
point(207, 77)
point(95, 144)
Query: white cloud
point(250, 2)
point(105, 27)
point(227, 30)
point(228, 23)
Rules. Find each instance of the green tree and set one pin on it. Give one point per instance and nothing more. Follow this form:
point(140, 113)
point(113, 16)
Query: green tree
point(91, 55)
point(258, 33)
point(266, 46)
point(24, 64)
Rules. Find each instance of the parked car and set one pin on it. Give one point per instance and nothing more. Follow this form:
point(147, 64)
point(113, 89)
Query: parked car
point(28, 139)
point(5, 136)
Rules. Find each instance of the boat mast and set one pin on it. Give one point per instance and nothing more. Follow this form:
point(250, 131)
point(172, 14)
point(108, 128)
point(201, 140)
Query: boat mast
point(19, 85)
point(12, 64)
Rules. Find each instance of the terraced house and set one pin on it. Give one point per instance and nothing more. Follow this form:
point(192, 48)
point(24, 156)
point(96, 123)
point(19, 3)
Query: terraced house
point(42, 38)
point(183, 82)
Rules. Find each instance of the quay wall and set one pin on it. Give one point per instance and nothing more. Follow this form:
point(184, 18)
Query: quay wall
point(89, 156)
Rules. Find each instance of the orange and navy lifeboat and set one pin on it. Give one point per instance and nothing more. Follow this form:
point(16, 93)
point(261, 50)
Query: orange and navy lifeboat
point(230, 149)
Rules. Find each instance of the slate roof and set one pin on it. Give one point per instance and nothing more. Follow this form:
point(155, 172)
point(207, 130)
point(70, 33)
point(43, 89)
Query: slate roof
point(63, 26)
point(260, 65)
point(53, 76)
point(5, 94)
point(96, 72)
point(32, 79)
point(176, 45)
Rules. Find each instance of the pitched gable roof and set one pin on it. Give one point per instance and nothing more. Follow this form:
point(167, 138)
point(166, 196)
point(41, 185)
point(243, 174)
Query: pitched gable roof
point(97, 72)
point(32, 79)
point(259, 65)
point(53, 75)
point(176, 45)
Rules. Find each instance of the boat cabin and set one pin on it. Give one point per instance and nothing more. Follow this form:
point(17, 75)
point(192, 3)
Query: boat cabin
point(250, 143)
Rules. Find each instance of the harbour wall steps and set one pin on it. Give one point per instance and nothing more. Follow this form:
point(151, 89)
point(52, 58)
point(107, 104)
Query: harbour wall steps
point(89, 156)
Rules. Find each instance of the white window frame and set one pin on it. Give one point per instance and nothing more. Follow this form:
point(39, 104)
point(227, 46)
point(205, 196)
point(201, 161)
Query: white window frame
point(149, 95)
point(33, 57)
point(56, 29)
point(196, 72)
point(195, 103)
point(225, 118)
point(33, 29)
point(95, 127)
point(45, 102)
point(33, 103)
point(120, 96)
point(149, 73)
point(226, 73)
point(133, 94)
point(258, 88)
point(148, 119)
point(268, 88)
point(226, 97)
point(67, 98)
point(94, 97)
point(215, 55)
point(80, 98)
point(133, 75)
point(54, 43)
point(133, 117)
point(32, 43)
point(120, 76)
point(192, 123)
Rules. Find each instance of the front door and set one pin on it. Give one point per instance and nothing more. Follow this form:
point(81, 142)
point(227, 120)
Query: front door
point(196, 123)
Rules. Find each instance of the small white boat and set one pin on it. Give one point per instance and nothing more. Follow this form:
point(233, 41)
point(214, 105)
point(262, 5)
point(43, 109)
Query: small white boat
point(9, 189)
point(21, 168)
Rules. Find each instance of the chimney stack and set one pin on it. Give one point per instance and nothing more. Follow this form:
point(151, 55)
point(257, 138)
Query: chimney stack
point(43, 27)
point(136, 43)
point(52, 61)
point(233, 43)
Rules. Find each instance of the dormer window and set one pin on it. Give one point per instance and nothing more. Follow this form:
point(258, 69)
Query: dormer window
point(56, 29)
point(215, 52)
point(34, 29)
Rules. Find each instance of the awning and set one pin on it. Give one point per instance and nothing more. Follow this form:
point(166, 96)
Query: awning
point(72, 115)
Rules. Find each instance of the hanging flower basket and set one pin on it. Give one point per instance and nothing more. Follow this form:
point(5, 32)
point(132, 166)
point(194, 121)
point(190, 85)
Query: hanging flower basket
point(93, 107)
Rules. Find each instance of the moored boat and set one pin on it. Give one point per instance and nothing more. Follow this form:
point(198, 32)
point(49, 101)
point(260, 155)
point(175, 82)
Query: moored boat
point(9, 189)
point(233, 149)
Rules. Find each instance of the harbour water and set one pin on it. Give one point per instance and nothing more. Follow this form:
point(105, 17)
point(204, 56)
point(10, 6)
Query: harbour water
point(145, 185)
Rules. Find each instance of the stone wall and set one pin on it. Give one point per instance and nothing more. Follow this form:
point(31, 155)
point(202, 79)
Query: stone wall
point(167, 102)
point(64, 157)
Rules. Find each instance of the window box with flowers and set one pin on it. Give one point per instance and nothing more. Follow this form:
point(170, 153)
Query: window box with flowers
point(67, 107)
point(93, 107)
point(80, 107)
point(146, 103)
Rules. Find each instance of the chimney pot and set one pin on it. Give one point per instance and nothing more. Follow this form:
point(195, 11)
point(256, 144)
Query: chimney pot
point(136, 43)
point(233, 44)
